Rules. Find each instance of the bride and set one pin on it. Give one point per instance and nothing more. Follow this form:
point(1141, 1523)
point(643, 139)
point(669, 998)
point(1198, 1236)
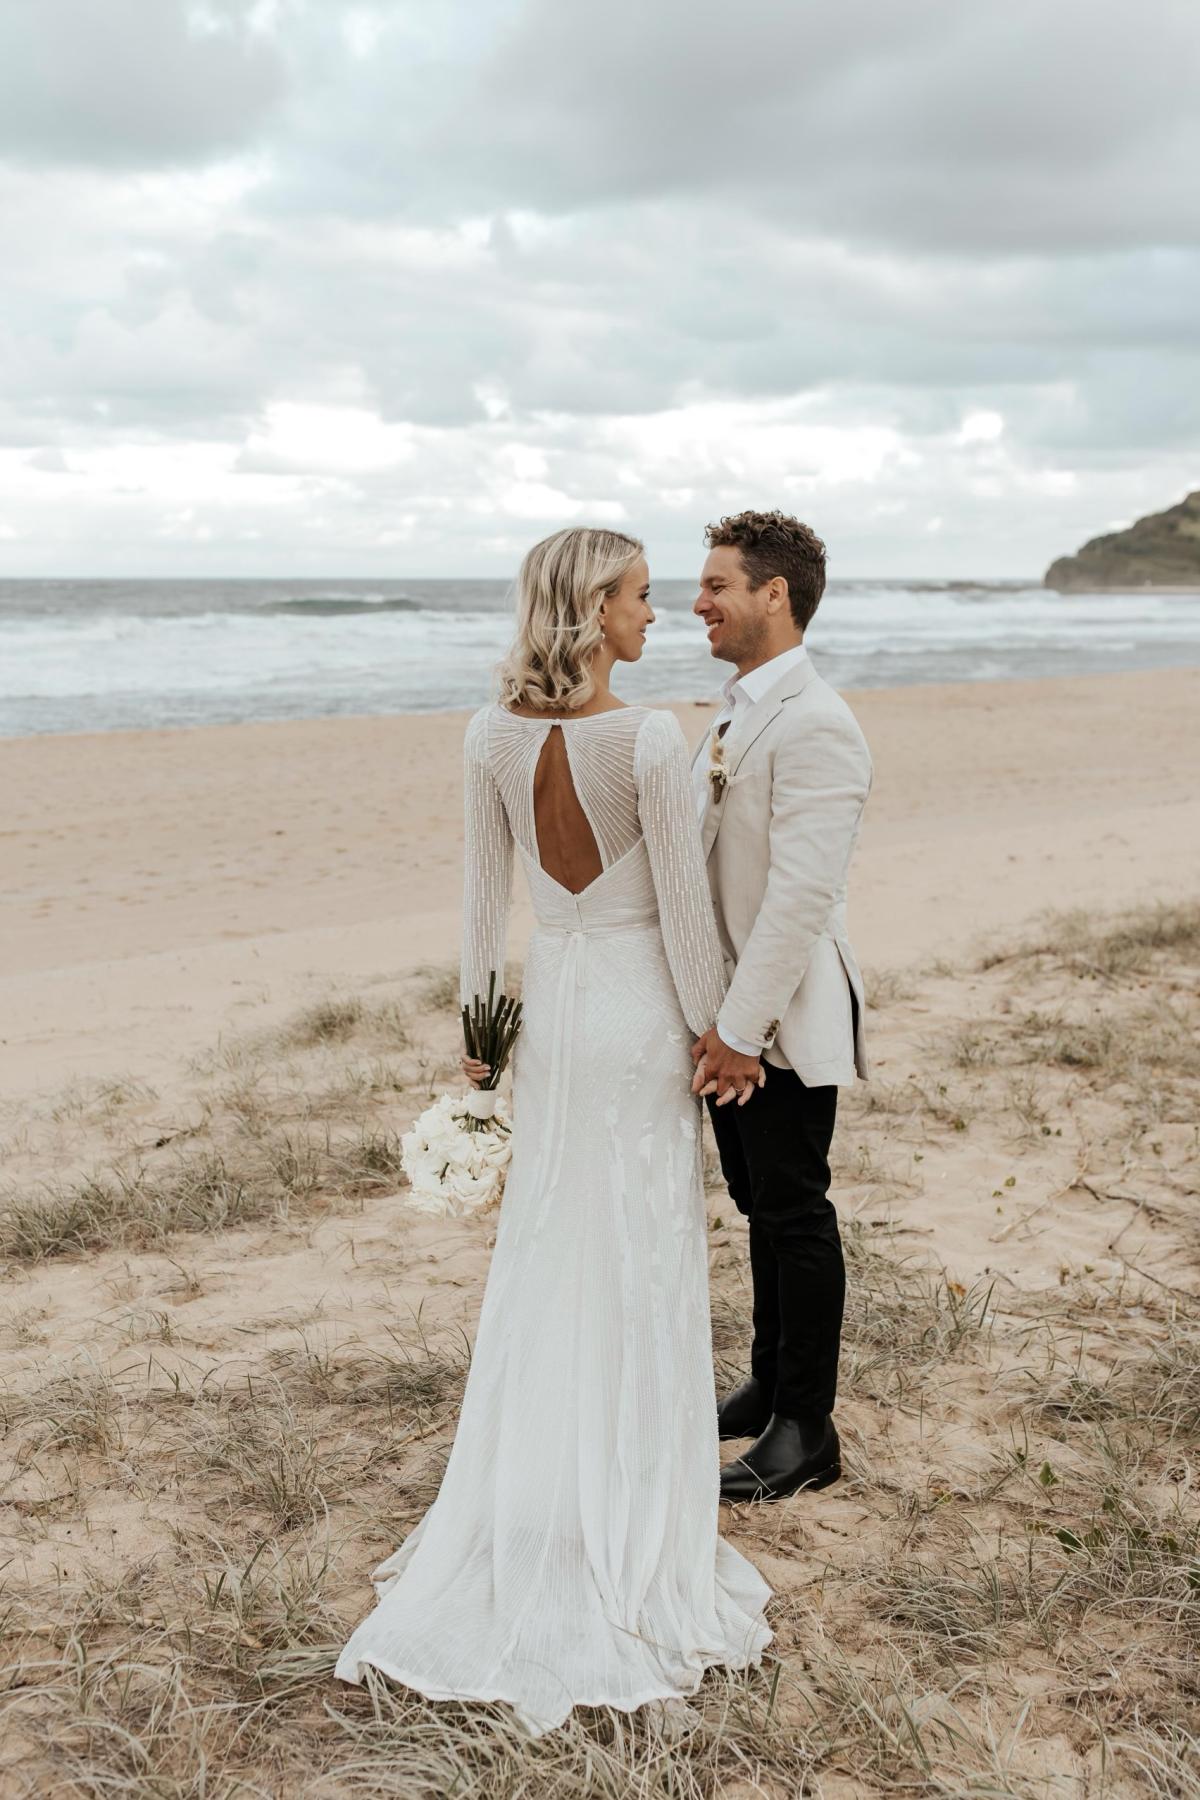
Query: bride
point(572, 1557)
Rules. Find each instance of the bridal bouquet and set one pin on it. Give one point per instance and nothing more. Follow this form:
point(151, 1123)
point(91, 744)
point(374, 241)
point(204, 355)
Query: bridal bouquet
point(456, 1155)
point(455, 1162)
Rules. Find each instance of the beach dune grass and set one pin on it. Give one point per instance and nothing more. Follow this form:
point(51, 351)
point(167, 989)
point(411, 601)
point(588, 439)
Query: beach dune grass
point(1001, 1598)
point(1106, 944)
point(340, 1017)
point(139, 1207)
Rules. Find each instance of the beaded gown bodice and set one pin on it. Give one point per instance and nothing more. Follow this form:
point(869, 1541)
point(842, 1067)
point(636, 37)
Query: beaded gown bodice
point(629, 771)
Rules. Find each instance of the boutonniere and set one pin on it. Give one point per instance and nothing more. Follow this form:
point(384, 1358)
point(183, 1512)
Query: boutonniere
point(718, 772)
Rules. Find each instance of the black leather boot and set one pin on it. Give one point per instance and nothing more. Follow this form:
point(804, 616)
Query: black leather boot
point(745, 1412)
point(790, 1454)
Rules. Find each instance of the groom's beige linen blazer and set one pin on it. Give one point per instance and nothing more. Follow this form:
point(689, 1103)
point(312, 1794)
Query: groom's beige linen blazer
point(778, 839)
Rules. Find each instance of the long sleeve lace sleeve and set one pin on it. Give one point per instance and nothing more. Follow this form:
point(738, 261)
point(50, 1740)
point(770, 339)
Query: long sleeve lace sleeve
point(668, 817)
point(487, 868)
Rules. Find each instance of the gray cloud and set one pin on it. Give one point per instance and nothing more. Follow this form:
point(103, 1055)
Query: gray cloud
point(936, 126)
point(132, 83)
point(658, 259)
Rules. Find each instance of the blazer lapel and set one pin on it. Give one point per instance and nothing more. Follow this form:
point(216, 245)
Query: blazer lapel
point(711, 823)
point(745, 734)
point(711, 817)
point(764, 711)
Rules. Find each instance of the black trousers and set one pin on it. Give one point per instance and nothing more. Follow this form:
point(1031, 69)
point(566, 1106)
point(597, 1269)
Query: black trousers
point(775, 1159)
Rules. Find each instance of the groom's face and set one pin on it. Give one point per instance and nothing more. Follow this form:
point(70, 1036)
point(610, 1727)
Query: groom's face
point(733, 613)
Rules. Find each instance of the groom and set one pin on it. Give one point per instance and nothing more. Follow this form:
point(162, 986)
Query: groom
point(780, 782)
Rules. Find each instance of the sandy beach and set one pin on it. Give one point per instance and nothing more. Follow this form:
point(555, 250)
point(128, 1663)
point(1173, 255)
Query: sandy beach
point(230, 1363)
point(163, 886)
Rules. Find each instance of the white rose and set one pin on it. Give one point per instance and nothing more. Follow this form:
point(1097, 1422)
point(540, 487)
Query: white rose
point(452, 1170)
point(497, 1154)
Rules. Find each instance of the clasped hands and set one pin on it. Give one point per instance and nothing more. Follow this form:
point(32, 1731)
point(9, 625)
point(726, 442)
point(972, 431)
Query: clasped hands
point(719, 1070)
point(725, 1072)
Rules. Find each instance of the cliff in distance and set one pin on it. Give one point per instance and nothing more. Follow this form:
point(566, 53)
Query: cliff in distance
point(1162, 550)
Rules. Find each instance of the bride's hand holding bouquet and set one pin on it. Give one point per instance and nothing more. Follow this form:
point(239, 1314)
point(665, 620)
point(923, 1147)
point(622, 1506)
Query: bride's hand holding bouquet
point(456, 1155)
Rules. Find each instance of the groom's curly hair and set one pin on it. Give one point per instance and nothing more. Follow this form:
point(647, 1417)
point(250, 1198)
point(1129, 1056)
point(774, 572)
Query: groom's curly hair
point(773, 543)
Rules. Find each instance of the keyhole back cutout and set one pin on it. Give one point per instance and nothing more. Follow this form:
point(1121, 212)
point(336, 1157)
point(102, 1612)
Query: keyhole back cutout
point(566, 843)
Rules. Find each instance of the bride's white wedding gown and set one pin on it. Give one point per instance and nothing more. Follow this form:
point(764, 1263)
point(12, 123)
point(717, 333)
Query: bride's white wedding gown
point(572, 1555)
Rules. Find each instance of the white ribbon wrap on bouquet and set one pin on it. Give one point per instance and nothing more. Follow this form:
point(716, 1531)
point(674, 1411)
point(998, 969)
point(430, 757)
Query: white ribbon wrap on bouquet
point(481, 1103)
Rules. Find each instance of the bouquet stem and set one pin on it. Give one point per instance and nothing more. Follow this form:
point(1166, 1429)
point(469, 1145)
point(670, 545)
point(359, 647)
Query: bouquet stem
point(490, 1030)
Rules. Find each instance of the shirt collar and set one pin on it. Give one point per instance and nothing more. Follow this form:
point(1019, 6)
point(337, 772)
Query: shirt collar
point(760, 681)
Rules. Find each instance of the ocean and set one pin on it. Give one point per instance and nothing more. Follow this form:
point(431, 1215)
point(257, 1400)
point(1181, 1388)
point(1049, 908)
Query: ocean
point(118, 655)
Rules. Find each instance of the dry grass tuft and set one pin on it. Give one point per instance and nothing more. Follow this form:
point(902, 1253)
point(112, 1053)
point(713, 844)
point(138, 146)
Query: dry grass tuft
point(884, 987)
point(143, 1206)
point(437, 989)
point(1109, 946)
point(340, 1018)
point(903, 1320)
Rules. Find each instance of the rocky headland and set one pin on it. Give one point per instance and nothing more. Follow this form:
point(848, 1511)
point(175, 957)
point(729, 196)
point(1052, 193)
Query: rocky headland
point(1159, 551)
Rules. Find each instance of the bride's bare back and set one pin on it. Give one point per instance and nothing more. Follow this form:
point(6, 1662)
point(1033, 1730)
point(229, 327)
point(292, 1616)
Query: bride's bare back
point(567, 847)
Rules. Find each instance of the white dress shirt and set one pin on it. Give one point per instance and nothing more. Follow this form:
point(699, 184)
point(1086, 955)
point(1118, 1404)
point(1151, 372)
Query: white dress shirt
point(741, 692)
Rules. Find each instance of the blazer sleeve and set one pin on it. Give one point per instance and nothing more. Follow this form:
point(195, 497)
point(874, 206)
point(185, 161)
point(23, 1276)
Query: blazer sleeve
point(820, 780)
point(667, 811)
point(487, 868)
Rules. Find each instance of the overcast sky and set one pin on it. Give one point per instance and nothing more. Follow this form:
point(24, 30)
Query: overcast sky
point(297, 286)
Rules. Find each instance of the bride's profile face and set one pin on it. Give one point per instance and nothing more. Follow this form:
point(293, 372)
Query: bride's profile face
point(628, 614)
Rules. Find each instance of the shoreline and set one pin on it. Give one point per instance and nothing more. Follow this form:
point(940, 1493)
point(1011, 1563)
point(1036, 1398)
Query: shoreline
point(1150, 587)
point(1190, 588)
point(671, 703)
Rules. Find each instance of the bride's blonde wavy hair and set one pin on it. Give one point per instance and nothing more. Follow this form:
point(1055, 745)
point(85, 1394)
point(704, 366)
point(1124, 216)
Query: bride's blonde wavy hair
point(560, 589)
